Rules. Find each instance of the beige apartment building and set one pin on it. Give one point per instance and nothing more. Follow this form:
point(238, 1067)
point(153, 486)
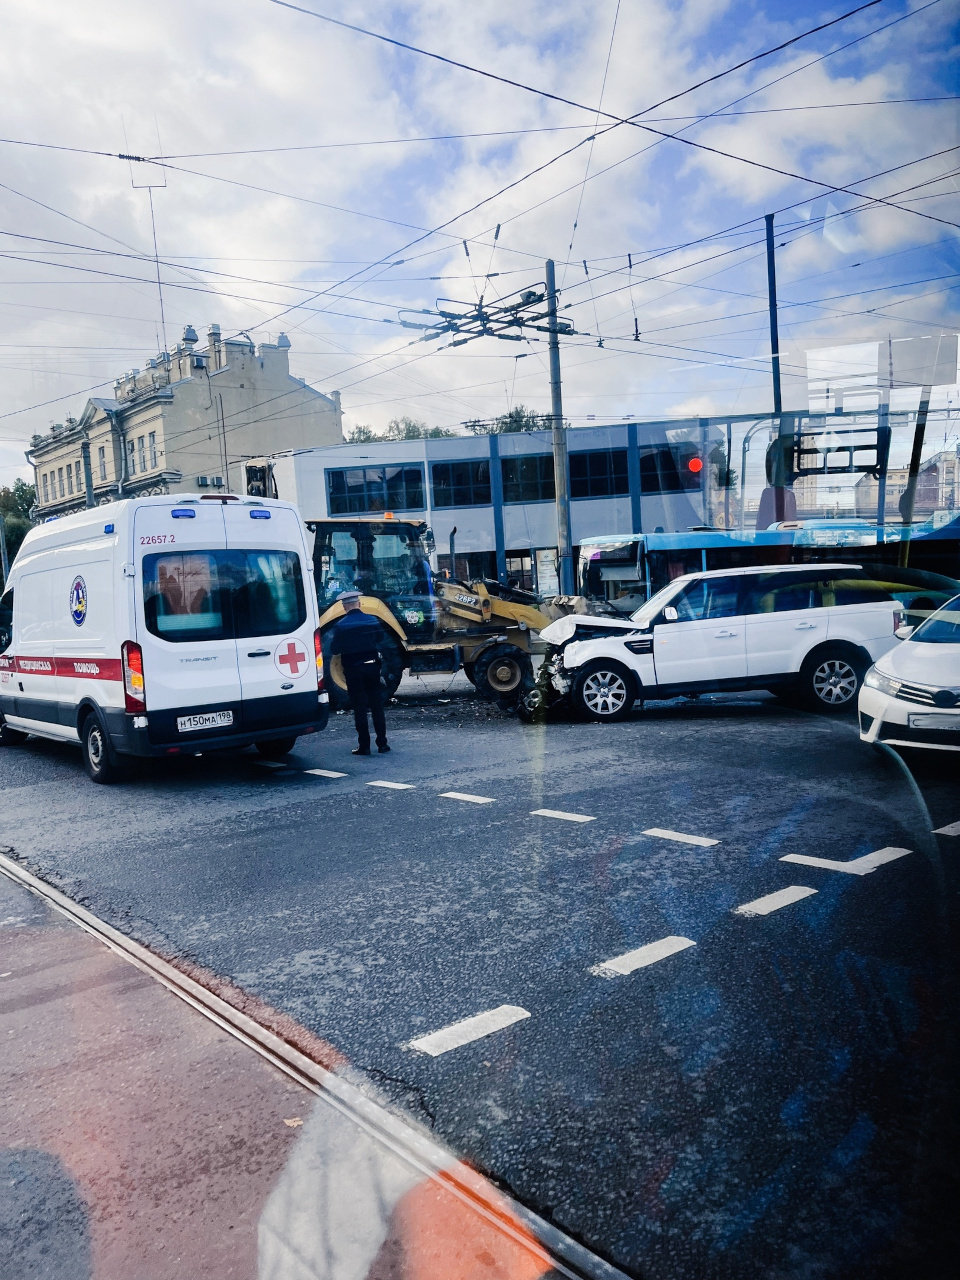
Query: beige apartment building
point(186, 423)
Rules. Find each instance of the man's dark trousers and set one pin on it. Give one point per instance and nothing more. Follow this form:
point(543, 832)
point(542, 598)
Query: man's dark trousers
point(366, 693)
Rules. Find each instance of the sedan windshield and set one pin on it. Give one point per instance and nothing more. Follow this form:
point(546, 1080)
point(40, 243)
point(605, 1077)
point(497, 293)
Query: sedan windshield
point(942, 627)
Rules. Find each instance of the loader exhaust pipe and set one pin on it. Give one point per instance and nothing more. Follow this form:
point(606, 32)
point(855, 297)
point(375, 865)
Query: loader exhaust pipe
point(453, 545)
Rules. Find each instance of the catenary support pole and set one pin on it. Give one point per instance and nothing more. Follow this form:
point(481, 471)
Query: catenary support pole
point(909, 494)
point(561, 471)
point(774, 329)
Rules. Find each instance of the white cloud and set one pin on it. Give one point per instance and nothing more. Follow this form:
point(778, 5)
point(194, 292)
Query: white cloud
point(249, 75)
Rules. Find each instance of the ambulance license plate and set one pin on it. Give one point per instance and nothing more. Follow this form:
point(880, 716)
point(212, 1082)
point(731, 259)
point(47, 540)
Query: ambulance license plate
point(207, 720)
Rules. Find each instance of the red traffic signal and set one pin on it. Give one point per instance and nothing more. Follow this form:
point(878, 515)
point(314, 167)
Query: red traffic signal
point(695, 465)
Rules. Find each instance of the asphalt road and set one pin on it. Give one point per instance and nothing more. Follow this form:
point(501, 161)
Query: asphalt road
point(775, 1099)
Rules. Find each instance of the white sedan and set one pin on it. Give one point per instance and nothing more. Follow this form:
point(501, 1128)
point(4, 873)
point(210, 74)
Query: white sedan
point(911, 695)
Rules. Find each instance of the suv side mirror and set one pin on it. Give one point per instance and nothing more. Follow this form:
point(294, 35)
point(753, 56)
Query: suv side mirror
point(670, 614)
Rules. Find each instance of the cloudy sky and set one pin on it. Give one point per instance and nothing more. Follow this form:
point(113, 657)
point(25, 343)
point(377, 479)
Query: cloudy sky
point(321, 182)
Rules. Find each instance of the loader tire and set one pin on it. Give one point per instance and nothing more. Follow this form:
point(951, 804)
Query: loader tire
point(391, 673)
point(502, 671)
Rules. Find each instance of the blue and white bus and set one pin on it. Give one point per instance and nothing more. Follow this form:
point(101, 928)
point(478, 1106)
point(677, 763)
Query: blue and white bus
point(624, 572)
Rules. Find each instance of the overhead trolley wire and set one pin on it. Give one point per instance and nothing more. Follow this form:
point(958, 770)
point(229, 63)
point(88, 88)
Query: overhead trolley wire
point(543, 93)
point(634, 120)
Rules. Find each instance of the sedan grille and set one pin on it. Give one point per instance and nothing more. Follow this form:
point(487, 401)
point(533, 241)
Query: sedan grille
point(927, 697)
point(916, 693)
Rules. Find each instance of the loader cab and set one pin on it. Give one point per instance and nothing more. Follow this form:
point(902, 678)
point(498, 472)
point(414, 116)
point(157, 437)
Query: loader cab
point(388, 559)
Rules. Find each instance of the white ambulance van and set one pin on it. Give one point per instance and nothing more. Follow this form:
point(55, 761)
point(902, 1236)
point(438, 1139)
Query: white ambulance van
point(163, 626)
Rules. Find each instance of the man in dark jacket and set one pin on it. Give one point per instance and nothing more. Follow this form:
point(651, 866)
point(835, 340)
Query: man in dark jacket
point(357, 638)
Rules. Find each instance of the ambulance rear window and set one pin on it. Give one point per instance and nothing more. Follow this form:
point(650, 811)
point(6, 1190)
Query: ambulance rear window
point(191, 596)
point(268, 597)
point(183, 596)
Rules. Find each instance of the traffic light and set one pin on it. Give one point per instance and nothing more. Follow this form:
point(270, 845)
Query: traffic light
point(695, 464)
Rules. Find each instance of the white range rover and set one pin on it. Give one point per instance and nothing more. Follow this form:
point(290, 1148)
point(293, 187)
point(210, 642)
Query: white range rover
point(807, 631)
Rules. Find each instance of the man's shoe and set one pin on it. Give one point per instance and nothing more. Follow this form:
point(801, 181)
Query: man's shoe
point(360, 751)
point(384, 748)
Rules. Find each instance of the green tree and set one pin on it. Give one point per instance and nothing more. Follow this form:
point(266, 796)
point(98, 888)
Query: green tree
point(15, 505)
point(361, 435)
point(519, 418)
point(413, 429)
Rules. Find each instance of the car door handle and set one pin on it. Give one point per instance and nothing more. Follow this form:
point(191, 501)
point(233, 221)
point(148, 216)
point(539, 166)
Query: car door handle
point(724, 635)
point(259, 653)
point(806, 626)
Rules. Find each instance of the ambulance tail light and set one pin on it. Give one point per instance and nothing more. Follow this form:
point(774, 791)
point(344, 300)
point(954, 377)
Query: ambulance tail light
point(134, 693)
point(318, 650)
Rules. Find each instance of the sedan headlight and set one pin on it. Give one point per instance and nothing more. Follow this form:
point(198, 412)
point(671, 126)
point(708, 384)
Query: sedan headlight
point(875, 679)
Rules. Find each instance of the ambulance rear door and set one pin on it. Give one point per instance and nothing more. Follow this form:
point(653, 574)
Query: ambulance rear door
point(184, 622)
point(274, 613)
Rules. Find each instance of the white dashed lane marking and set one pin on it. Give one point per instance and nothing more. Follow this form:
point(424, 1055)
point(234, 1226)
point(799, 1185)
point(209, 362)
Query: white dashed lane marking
point(642, 957)
point(393, 786)
point(271, 764)
point(856, 867)
point(559, 813)
point(464, 795)
point(326, 773)
point(774, 901)
point(952, 830)
point(469, 1029)
point(663, 834)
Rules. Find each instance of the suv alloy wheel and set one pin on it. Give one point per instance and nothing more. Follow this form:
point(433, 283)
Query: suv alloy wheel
point(604, 690)
point(831, 679)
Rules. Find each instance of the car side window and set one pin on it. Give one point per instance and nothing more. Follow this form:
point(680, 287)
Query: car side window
point(708, 598)
point(6, 620)
point(854, 589)
point(782, 592)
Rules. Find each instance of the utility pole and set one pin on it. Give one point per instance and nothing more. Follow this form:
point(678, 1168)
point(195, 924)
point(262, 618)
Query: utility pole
point(561, 470)
point(910, 493)
point(885, 385)
point(4, 561)
point(774, 330)
point(511, 319)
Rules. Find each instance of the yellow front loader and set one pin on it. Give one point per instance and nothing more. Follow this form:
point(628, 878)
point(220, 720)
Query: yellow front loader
point(434, 623)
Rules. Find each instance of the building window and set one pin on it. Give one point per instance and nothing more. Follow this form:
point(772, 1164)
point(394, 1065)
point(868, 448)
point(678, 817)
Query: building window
point(60, 482)
point(528, 479)
point(142, 454)
point(599, 475)
point(372, 489)
point(46, 488)
point(131, 458)
point(70, 479)
point(152, 444)
point(102, 461)
point(666, 468)
point(78, 467)
point(461, 484)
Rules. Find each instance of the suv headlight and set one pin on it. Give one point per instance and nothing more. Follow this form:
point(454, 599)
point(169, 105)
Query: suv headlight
point(875, 679)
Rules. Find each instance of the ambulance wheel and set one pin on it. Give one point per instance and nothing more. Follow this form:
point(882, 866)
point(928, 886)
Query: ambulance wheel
point(10, 737)
point(95, 747)
point(277, 749)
